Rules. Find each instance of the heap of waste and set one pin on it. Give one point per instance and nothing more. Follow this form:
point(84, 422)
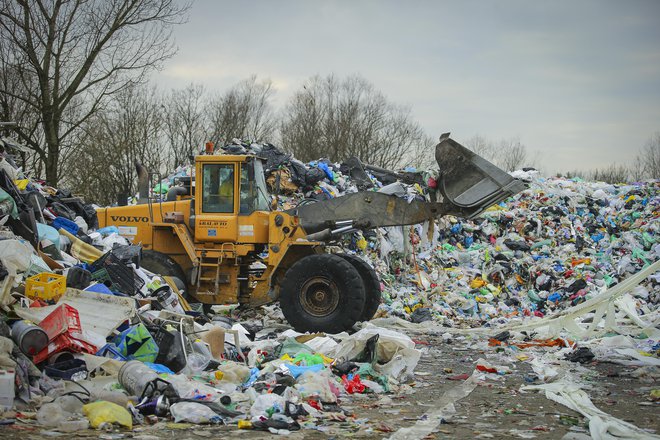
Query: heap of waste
point(89, 338)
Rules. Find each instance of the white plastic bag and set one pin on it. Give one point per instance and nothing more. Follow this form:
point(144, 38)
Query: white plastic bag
point(193, 413)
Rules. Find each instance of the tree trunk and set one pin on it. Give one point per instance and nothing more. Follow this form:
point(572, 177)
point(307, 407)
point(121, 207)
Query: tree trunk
point(53, 151)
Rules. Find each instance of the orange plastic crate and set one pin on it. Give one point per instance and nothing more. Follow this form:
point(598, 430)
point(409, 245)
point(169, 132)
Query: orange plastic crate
point(46, 286)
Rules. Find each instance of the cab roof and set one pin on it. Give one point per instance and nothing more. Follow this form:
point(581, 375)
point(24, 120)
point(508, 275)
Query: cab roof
point(221, 158)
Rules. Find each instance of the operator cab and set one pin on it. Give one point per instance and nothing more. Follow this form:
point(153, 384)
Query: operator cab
point(232, 187)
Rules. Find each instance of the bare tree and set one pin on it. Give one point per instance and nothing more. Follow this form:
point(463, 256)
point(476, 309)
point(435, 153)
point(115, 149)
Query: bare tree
point(186, 117)
point(481, 146)
point(130, 130)
point(77, 53)
point(337, 118)
point(13, 109)
point(648, 159)
point(244, 111)
point(614, 173)
point(510, 154)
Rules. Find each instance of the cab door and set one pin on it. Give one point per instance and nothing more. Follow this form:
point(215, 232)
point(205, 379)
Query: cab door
point(217, 202)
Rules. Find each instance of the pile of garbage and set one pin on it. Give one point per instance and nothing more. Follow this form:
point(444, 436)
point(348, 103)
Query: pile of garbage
point(89, 338)
point(552, 246)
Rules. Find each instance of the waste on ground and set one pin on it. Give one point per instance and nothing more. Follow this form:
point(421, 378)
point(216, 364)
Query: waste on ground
point(558, 278)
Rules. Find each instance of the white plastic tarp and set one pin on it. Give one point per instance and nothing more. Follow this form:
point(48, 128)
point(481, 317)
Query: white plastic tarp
point(602, 426)
point(99, 313)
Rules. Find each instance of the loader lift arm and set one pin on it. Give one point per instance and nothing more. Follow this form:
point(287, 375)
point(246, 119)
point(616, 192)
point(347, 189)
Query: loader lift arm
point(467, 185)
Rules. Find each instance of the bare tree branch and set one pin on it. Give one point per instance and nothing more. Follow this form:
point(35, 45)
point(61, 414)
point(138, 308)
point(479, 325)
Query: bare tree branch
point(79, 53)
point(337, 118)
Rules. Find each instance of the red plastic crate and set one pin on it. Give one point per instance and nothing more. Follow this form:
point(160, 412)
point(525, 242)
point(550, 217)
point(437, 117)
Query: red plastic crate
point(64, 319)
point(63, 342)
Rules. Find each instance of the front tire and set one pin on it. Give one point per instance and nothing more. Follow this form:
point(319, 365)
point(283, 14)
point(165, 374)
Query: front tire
point(371, 285)
point(322, 292)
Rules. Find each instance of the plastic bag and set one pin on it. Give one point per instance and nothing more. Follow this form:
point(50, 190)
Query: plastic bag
point(51, 414)
point(15, 255)
point(402, 365)
point(389, 343)
point(136, 343)
point(266, 403)
point(99, 413)
point(353, 385)
point(319, 385)
point(193, 413)
point(298, 370)
point(234, 372)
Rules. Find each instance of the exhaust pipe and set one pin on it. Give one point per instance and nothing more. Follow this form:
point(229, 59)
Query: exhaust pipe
point(143, 183)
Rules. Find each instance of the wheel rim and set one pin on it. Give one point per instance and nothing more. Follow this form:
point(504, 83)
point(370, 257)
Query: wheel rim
point(319, 296)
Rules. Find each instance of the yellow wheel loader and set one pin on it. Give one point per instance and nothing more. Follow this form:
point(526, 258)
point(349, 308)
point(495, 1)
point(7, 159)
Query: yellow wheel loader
point(219, 237)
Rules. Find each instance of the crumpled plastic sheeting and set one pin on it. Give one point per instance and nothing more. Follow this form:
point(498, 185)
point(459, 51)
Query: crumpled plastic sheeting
point(445, 409)
point(389, 343)
point(622, 350)
point(192, 412)
point(602, 426)
point(602, 306)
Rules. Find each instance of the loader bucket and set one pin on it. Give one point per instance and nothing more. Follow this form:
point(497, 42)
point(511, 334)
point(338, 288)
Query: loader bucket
point(470, 182)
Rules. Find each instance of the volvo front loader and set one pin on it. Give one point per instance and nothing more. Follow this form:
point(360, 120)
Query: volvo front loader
point(220, 238)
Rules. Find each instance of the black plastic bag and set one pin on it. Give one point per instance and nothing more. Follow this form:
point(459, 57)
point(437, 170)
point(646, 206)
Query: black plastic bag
point(61, 210)
point(170, 349)
point(369, 354)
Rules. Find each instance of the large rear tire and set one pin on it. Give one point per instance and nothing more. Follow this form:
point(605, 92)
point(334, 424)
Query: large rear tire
point(371, 285)
point(322, 292)
point(161, 264)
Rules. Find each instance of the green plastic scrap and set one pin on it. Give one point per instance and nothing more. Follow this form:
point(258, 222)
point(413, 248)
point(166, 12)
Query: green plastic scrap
point(638, 253)
point(533, 296)
point(137, 343)
point(542, 243)
point(367, 371)
point(307, 359)
point(293, 348)
point(648, 238)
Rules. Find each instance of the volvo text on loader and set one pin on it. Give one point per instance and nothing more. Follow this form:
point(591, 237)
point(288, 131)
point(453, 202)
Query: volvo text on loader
point(220, 238)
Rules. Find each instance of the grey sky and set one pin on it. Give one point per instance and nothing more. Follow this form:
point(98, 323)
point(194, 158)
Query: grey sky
point(578, 81)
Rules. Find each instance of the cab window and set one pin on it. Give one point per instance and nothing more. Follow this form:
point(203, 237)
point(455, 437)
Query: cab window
point(218, 188)
point(253, 188)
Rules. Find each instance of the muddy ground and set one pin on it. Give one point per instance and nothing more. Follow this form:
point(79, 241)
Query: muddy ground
point(497, 408)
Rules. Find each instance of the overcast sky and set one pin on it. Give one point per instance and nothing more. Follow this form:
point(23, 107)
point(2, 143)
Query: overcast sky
point(577, 81)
